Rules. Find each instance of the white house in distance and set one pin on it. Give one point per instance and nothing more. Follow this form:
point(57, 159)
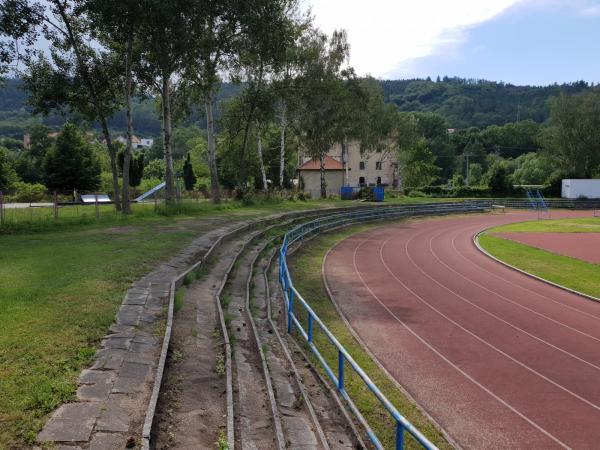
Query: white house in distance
point(371, 169)
point(136, 142)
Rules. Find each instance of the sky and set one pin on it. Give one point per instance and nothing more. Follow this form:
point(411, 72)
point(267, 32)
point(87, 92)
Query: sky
point(535, 42)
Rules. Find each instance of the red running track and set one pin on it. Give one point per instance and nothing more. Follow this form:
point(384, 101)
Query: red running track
point(496, 358)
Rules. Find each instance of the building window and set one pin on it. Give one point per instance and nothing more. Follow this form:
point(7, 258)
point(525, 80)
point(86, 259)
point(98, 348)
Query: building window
point(361, 181)
point(378, 181)
point(362, 165)
point(378, 165)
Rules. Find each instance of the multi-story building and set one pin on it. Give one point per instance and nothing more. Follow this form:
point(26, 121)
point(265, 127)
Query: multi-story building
point(355, 169)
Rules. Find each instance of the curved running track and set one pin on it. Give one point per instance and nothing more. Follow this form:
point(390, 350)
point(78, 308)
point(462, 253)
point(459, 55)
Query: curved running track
point(497, 358)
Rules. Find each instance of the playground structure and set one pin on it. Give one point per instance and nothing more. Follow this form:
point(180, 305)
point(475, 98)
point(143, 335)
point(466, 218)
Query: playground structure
point(152, 191)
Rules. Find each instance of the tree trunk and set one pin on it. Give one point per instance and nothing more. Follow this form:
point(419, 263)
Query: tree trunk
point(282, 144)
point(167, 130)
point(127, 156)
point(345, 160)
point(260, 158)
point(212, 150)
point(113, 163)
point(323, 182)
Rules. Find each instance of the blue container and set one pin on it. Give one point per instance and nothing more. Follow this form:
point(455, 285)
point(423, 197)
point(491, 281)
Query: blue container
point(347, 193)
point(378, 193)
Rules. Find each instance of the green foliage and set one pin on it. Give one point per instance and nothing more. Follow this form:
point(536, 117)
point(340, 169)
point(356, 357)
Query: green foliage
point(532, 168)
point(479, 103)
point(70, 163)
point(498, 177)
point(189, 177)
point(27, 192)
point(136, 166)
point(573, 140)
point(418, 165)
point(8, 175)
point(155, 169)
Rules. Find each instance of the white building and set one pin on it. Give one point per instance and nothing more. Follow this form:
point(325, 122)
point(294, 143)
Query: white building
point(136, 142)
point(359, 170)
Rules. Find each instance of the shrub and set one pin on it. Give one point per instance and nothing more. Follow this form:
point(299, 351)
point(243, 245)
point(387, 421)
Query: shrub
point(28, 192)
point(304, 196)
point(416, 193)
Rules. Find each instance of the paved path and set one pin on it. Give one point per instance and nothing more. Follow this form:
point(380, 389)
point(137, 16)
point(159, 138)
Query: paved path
point(585, 246)
point(499, 359)
point(113, 394)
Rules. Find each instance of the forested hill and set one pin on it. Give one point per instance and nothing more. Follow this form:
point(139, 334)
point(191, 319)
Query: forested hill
point(463, 103)
point(475, 103)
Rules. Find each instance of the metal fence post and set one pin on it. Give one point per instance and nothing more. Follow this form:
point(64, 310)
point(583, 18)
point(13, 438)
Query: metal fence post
point(310, 327)
point(340, 370)
point(399, 436)
point(290, 323)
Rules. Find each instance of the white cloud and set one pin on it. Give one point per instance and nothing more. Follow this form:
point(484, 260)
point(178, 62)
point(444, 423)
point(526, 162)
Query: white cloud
point(591, 11)
point(383, 33)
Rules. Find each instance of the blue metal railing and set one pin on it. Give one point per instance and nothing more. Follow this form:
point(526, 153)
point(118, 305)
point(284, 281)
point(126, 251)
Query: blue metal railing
point(294, 302)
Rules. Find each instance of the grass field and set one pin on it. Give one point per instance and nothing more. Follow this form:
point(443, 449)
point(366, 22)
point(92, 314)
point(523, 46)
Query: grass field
point(28, 220)
point(305, 267)
point(570, 272)
point(574, 225)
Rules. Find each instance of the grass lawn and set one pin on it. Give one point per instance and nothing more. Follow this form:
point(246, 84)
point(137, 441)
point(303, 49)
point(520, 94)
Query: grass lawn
point(570, 272)
point(27, 220)
point(580, 225)
point(305, 267)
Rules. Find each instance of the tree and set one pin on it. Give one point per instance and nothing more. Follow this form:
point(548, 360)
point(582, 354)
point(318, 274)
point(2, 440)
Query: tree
point(136, 169)
point(321, 88)
point(189, 177)
point(8, 176)
point(418, 165)
point(155, 169)
point(119, 23)
point(498, 177)
point(169, 37)
point(78, 75)
point(532, 168)
point(70, 164)
point(573, 140)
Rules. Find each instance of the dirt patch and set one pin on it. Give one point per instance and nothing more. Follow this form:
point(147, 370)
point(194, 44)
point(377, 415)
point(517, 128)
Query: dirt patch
point(118, 230)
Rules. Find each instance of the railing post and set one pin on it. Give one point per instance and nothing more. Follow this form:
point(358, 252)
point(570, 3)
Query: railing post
point(310, 327)
point(340, 371)
point(399, 436)
point(290, 323)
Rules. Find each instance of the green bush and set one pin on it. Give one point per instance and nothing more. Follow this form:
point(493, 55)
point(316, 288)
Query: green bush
point(28, 192)
point(304, 196)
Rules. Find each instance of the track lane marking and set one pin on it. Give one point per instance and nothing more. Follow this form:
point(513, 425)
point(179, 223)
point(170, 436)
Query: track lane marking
point(491, 313)
point(450, 363)
point(479, 338)
point(558, 302)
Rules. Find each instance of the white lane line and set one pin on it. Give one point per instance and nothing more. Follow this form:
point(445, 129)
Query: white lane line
point(479, 338)
point(558, 302)
point(445, 359)
point(432, 252)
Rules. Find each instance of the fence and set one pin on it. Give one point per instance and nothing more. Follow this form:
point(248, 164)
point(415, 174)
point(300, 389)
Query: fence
point(293, 299)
